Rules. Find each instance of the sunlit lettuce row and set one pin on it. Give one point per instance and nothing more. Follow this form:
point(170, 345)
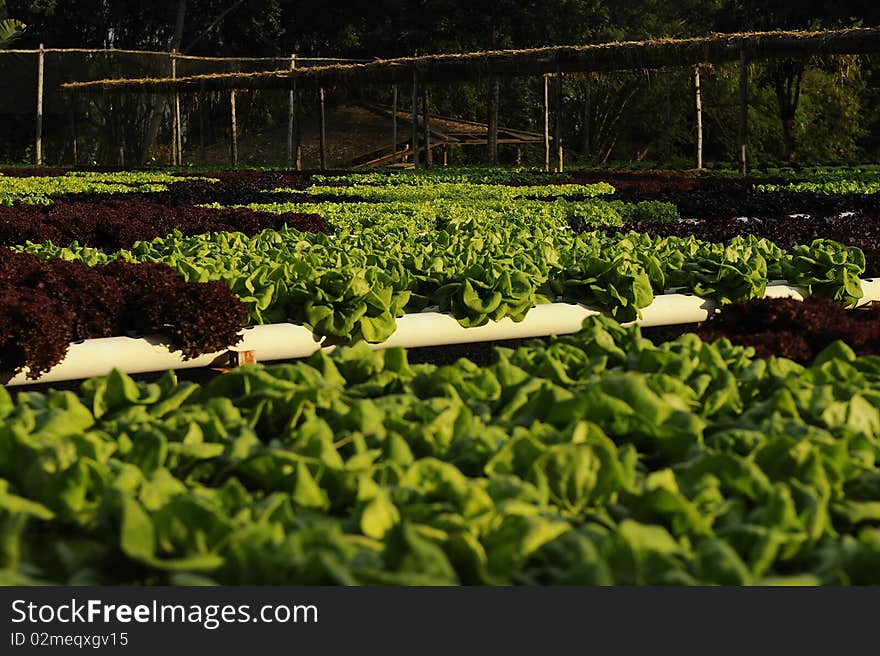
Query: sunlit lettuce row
point(353, 284)
point(41, 189)
point(422, 189)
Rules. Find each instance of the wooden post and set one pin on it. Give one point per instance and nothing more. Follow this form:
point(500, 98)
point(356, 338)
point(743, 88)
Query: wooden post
point(667, 140)
point(586, 134)
point(445, 154)
point(323, 135)
point(233, 130)
point(297, 127)
point(743, 136)
point(415, 120)
point(121, 141)
point(173, 116)
point(291, 112)
point(38, 148)
point(699, 103)
point(559, 120)
point(547, 123)
point(494, 93)
point(394, 124)
point(178, 127)
point(178, 117)
point(518, 155)
point(73, 131)
point(426, 129)
point(201, 101)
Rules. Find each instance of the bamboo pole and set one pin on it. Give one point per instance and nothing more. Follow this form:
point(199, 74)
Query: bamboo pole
point(546, 123)
point(558, 125)
point(667, 140)
point(699, 107)
point(73, 132)
point(743, 136)
point(415, 120)
point(642, 55)
point(767, 44)
point(323, 135)
point(178, 131)
point(297, 127)
point(233, 130)
point(173, 122)
point(201, 109)
point(291, 111)
point(179, 124)
point(164, 53)
point(494, 92)
point(38, 146)
point(586, 134)
point(121, 133)
point(426, 129)
point(394, 124)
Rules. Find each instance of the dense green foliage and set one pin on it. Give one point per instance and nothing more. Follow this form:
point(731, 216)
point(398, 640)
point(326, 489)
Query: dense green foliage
point(599, 458)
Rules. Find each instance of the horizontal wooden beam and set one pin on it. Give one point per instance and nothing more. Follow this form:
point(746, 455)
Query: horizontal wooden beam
point(631, 55)
point(407, 116)
point(482, 141)
point(481, 127)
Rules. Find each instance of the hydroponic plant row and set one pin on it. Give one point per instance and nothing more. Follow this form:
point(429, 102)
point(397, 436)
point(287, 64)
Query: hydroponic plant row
point(353, 284)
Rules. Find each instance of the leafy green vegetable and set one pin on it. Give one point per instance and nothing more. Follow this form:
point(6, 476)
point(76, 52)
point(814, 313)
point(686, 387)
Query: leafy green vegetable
point(596, 458)
point(40, 190)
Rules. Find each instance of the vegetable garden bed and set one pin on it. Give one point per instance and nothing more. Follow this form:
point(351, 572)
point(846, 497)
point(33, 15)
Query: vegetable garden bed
point(597, 457)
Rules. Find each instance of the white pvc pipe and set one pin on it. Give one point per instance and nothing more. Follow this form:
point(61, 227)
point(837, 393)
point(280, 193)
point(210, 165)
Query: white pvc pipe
point(285, 341)
point(870, 291)
point(278, 341)
point(96, 357)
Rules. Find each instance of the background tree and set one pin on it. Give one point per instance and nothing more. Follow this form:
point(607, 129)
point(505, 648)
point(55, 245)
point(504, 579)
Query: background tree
point(786, 76)
point(620, 121)
point(10, 28)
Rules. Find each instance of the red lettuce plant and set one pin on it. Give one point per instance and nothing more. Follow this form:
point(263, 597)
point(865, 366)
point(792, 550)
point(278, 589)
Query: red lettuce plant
point(46, 304)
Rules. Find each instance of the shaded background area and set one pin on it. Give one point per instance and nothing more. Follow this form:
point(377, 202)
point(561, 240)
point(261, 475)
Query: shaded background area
point(826, 111)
